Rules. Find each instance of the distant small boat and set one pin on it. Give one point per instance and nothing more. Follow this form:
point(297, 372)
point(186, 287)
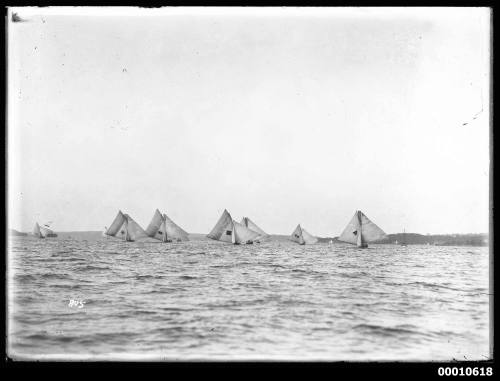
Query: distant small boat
point(403, 242)
point(164, 229)
point(43, 231)
point(301, 236)
point(125, 228)
point(331, 241)
point(228, 230)
point(360, 230)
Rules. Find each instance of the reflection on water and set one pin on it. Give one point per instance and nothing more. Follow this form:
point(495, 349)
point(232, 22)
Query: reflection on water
point(202, 299)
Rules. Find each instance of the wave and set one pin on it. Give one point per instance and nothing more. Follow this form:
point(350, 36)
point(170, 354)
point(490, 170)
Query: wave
point(405, 329)
point(188, 277)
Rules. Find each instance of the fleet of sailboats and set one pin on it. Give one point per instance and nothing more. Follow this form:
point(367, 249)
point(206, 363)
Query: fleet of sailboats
point(359, 231)
point(228, 230)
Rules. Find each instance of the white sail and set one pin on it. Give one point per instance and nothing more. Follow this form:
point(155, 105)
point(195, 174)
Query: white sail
point(223, 228)
point(227, 234)
point(153, 230)
point(36, 231)
point(124, 227)
point(118, 226)
point(46, 232)
point(242, 234)
point(350, 233)
point(297, 236)
point(371, 232)
point(252, 226)
point(360, 230)
point(308, 238)
point(134, 230)
point(174, 232)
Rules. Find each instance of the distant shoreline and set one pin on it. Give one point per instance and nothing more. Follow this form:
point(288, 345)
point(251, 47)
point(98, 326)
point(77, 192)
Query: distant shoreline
point(472, 239)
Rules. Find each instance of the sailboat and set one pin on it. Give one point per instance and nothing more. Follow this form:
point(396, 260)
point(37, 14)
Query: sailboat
point(43, 231)
point(361, 230)
point(301, 236)
point(247, 222)
point(403, 242)
point(124, 227)
point(228, 230)
point(164, 229)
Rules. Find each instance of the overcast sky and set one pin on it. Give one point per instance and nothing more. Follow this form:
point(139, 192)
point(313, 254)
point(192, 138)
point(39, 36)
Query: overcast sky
point(286, 116)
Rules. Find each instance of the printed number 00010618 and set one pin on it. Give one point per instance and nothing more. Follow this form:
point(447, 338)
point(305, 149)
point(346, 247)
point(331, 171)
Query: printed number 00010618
point(467, 371)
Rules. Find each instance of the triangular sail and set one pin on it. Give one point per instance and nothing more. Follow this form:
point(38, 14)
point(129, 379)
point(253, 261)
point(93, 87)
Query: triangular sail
point(153, 230)
point(174, 232)
point(297, 235)
point(371, 232)
point(118, 226)
point(122, 231)
point(36, 231)
point(350, 233)
point(222, 228)
point(308, 238)
point(360, 230)
point(227, 234)
point(124, 227)
point(134, 231)
point(242, 234)
point(252, 226)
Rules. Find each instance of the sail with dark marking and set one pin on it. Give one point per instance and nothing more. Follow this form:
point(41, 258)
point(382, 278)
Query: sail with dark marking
point(228, 230)
point(223, 227)
point(43, 231)
point(360, 231)
point(164, 229)
point(301, 236)
point(124, 227)
point(154, 229)
point(297, 236)
point(47, 232)
point(135, 231)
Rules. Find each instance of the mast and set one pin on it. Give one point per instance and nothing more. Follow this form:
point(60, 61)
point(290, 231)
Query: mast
point(360, 242)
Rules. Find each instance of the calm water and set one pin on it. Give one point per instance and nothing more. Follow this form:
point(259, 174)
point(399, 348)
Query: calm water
point(277, 300)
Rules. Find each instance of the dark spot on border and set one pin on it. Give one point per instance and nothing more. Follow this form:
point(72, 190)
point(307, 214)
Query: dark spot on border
point(15, 18)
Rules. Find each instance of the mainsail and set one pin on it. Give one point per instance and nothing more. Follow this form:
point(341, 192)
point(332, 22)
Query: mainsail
point(301, 236)
point(124, 227)
point(46, 232)
point(36, 231)
point(242, 234)
point(43, 231)
point(360, 230)
point(252, 226)
point(164, 229)
point(308, 238)
point(223, 227)
point(228, 230)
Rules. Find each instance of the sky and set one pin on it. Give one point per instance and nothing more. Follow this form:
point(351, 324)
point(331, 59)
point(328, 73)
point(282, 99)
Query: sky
point(284, 115)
